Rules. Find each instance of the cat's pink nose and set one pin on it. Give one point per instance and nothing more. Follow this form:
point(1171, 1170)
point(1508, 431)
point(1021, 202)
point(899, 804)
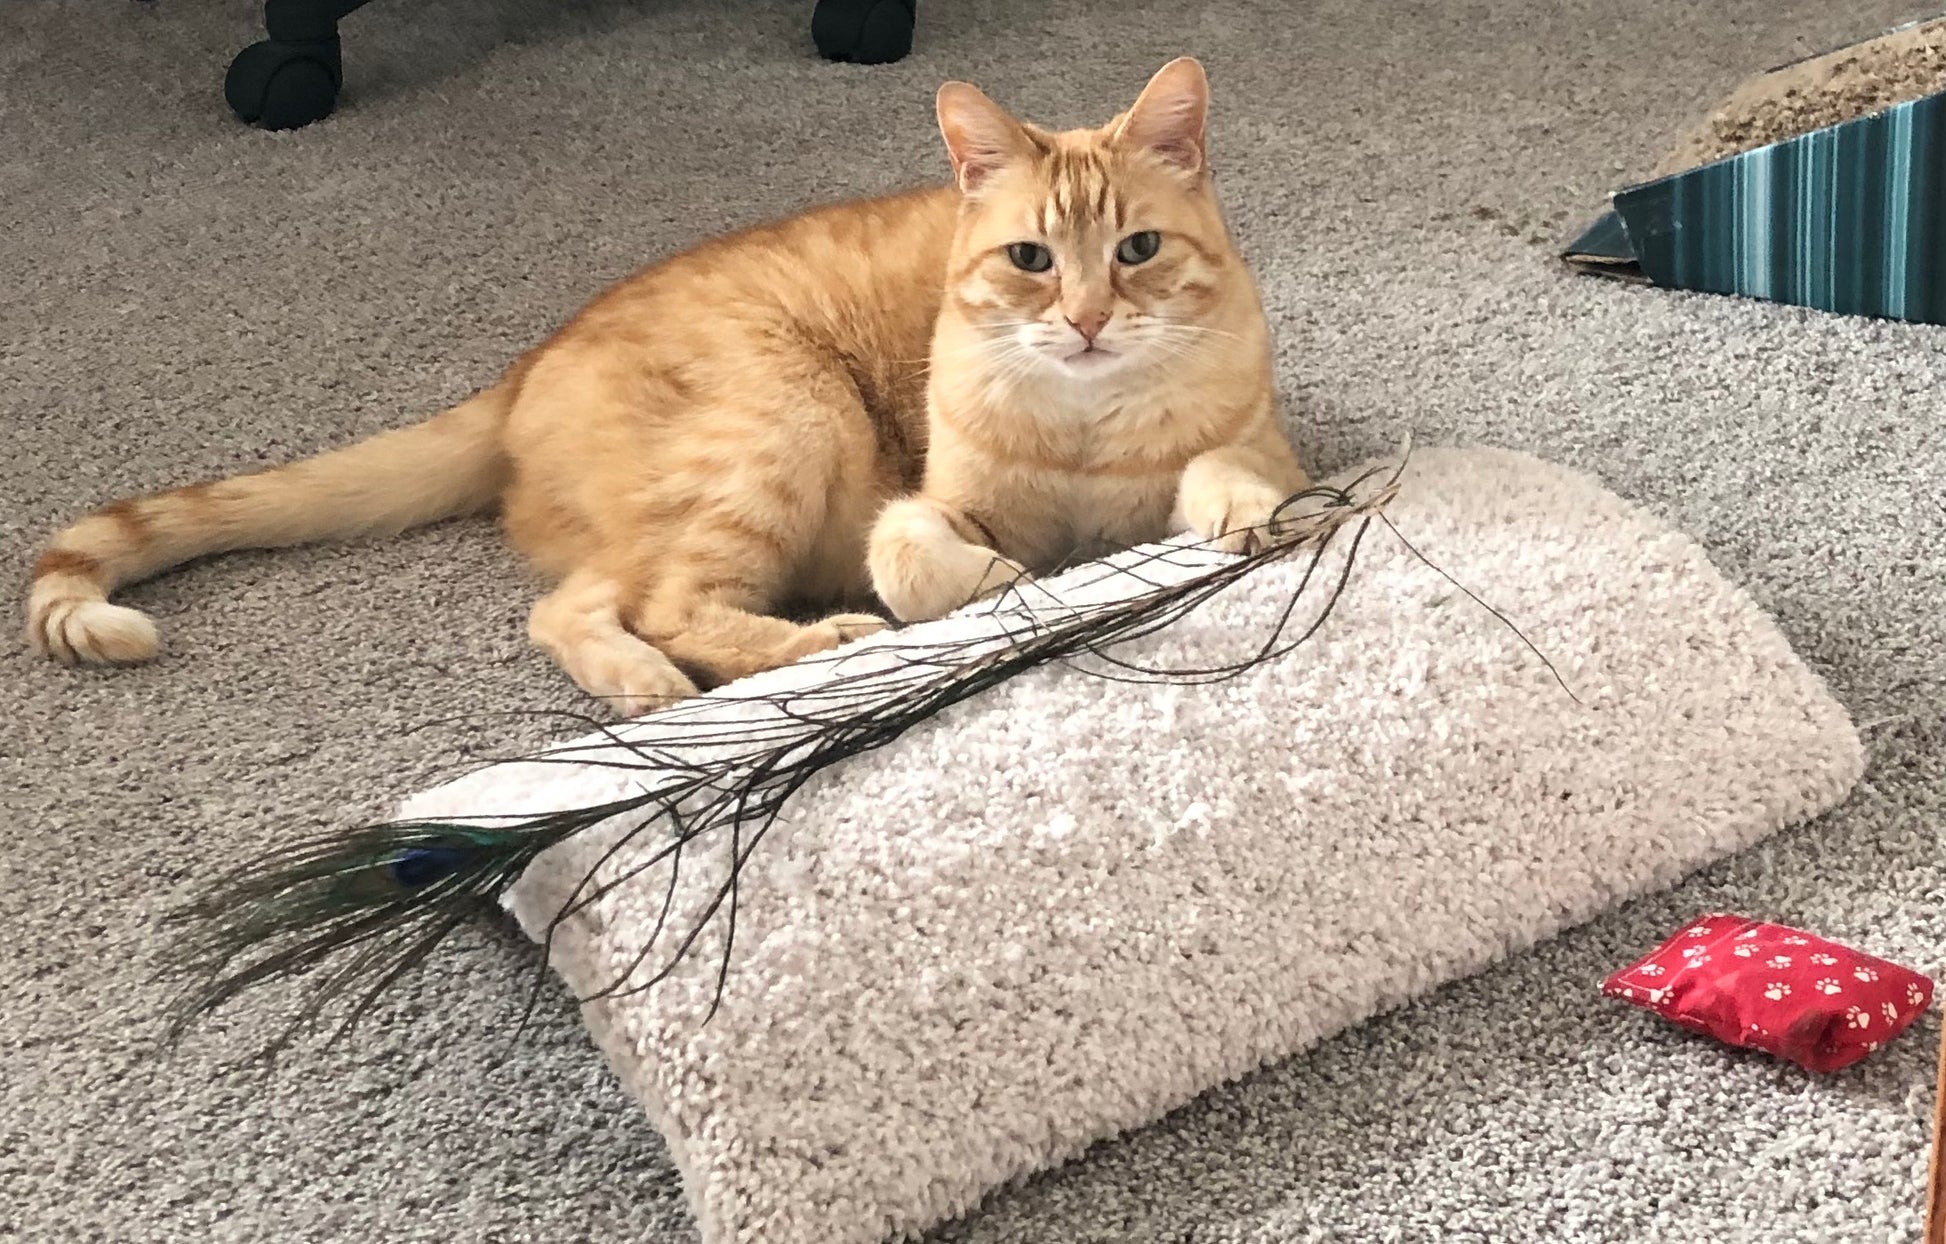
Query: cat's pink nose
point(1089, 324)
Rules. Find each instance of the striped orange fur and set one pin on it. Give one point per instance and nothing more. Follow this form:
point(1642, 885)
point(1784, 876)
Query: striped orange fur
point(885, 399)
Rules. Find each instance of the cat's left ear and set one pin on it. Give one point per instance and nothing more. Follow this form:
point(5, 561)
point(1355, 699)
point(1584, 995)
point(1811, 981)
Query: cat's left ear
point(1171, 115)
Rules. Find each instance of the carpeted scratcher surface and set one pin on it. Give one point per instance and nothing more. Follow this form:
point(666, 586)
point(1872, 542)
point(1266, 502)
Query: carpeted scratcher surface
point(184, 297)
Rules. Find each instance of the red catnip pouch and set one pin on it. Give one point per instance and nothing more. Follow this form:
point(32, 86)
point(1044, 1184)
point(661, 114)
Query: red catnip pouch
point(1821, 1005)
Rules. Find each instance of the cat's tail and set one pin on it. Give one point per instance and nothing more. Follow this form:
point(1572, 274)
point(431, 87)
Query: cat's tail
point(450, 464)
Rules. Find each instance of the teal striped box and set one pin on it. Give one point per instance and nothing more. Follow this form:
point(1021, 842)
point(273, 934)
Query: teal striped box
point(1850, 218)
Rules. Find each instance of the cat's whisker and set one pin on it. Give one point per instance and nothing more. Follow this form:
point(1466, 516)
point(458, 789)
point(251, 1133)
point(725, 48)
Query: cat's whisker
point(1015, 364)
point(1188, 333)
point(1003, 382)
point(976, 353)
point(1164, 325)
point(1178, 349)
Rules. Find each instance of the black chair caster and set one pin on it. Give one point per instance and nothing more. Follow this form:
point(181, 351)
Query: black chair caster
point(292, 78)
point(864, 32)
point(282, 86)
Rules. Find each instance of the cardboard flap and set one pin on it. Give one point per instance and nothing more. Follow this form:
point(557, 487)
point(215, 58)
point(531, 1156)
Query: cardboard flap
point(1604, 248)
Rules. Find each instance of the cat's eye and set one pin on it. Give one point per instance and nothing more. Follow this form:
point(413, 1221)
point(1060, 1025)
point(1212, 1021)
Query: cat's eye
point(1030, 256)
point(1139, 247)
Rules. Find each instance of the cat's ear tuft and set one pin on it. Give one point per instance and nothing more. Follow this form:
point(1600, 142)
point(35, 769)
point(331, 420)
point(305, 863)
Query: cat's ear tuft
point(980, 135)
point(1171, 116)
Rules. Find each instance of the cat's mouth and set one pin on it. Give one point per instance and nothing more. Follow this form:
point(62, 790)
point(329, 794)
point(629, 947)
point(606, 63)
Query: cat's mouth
point(1091, 356)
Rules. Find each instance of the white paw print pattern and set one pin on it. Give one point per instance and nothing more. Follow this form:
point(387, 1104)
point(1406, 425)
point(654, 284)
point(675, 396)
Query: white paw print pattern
point(1780, 961)
point(1858, 1017)
point(1828, 986)
point(1777, 991)
point(1890, 1011)
point(1868, 975)
point(1701, 930)
point(1694, 952)
point(1825, 961)
point(1747, 934)
point(1797, 941)
point(1652, 969)
point(1914, 996)
point(1744, 951)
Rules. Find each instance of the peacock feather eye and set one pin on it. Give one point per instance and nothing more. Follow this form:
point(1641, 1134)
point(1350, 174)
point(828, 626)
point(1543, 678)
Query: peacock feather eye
point(1030, 256)
point(417, 869)
point(1139, 247)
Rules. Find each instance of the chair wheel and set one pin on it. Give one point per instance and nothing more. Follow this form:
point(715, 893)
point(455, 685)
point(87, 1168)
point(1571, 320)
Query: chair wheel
point(864, 32)
point(282, 86)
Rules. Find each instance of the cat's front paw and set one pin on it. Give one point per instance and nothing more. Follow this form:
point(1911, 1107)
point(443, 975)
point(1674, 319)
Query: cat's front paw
point(922, 569)
point(1237, 515)
point(920, 583)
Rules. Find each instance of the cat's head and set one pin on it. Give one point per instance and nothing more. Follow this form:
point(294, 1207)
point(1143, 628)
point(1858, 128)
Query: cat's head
point(1089, 254)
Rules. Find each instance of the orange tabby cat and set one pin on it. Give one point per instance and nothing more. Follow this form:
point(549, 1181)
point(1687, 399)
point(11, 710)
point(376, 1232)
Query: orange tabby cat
point(750, 426)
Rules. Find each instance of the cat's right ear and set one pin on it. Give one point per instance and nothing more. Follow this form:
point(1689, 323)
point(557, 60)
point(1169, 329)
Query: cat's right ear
point(980, 135)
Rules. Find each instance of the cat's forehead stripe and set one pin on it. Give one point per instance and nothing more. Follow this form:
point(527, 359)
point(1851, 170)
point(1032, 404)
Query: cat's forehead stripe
point(1080, 188)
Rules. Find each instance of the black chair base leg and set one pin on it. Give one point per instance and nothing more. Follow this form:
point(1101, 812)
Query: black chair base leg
point(864, 32)
point(292, 78)
point(282, 86)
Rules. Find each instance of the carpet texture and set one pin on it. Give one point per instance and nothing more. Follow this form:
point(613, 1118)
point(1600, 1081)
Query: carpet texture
point(183, 297)
point(1066, 907)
